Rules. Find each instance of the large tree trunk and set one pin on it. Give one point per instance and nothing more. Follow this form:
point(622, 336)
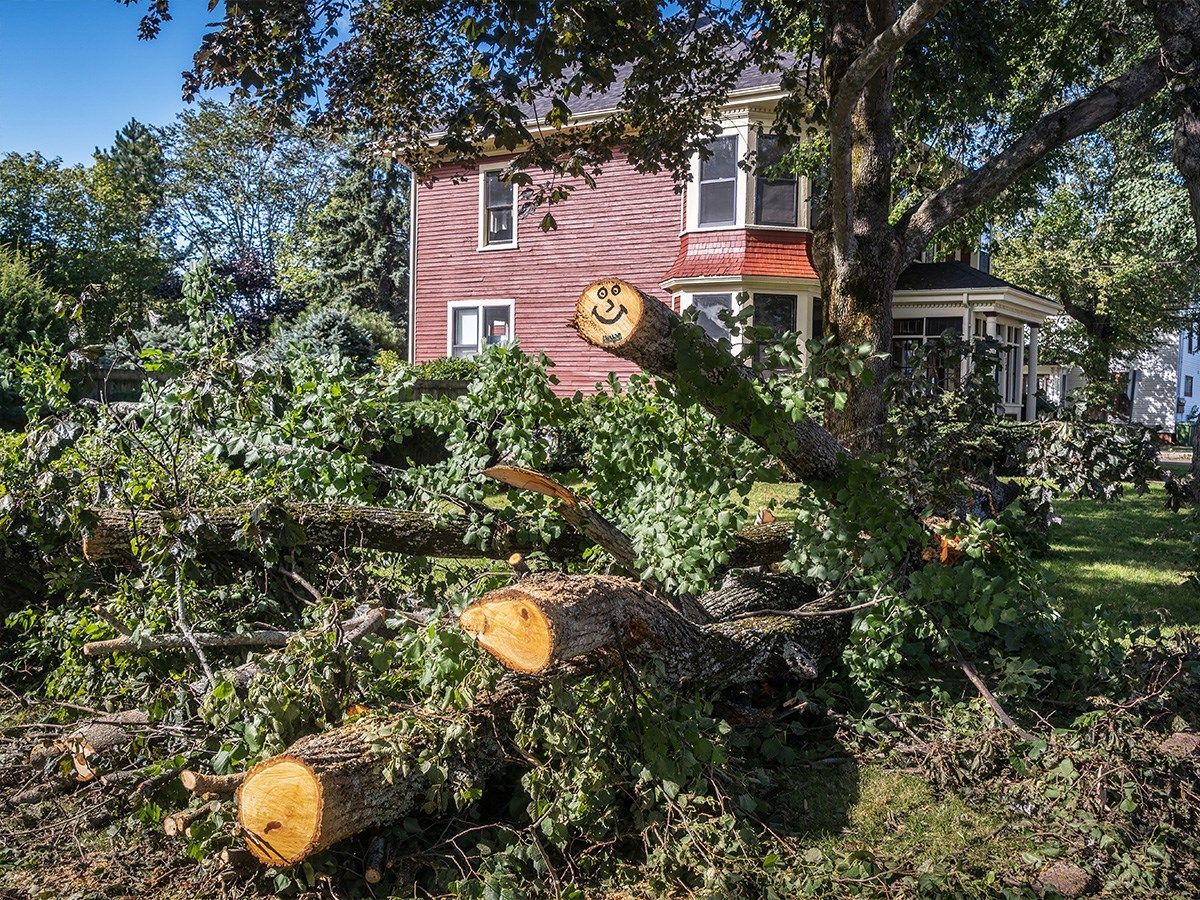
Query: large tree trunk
point(1178, 25)
point(856, 250)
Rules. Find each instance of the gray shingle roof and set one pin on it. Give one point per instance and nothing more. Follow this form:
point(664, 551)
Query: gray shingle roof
point(610, 97)
point(951, 276)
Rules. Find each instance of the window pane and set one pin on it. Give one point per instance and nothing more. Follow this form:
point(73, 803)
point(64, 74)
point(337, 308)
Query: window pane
point(776, 312)
point(499, 199)
point(908, 326)
point(775, 194)
point(717, 200)
point(770, 149)
point(818, 319)
point(935, 327)
point(723, 161)
point(497, 325)
point(498, 193)
point(708, 311)
point(465, 340)
point(775, 202)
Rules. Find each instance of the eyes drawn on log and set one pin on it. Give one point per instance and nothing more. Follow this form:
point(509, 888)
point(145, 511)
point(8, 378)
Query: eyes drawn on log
point(615, 312)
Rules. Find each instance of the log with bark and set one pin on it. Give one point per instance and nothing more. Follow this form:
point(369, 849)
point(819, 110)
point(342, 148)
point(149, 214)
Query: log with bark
point(549, 620)
point(325, 525)
point(327, 787)
point(332, 526)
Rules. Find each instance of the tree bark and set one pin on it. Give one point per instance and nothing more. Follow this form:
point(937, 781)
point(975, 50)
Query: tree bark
point(325, 525)
point(1178, 25)
point(645, 331)
point(592, 621)
point(330, 786)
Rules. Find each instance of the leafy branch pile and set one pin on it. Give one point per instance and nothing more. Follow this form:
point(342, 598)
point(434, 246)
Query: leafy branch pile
point(252, 624)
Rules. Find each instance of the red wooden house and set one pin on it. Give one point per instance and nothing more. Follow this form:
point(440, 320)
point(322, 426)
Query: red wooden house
point(481, 274)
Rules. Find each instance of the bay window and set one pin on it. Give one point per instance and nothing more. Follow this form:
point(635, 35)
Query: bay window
point(474, 326)
point(718, 182)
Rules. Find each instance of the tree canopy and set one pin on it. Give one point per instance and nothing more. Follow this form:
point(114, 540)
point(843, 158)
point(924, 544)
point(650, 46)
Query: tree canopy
point(925, 115)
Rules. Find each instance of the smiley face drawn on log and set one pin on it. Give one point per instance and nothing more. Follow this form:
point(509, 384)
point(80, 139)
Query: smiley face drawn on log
point(614, 310)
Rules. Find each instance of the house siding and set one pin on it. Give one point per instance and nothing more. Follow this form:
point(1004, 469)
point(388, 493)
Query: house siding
point(1155, 393)
point(627, 226)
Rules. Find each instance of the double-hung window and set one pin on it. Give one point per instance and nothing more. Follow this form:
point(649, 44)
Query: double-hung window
point(776, 193)
point(499, 227)
point(1188, 383)
point(476, 326)
point(909, 334)
point(718, 183)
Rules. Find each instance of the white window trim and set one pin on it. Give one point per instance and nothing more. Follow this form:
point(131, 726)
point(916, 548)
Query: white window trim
point(745, 187)
point(481, 233)
point(479, 304)
point(803, 310)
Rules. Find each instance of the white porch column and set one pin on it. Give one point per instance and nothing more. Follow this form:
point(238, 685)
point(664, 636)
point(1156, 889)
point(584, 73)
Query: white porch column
point(1031, 382)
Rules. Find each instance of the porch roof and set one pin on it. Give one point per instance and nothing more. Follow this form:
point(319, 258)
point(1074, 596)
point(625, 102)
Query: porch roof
point(955, 276)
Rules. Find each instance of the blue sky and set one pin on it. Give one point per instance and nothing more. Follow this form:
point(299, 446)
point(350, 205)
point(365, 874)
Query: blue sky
point(72, 72)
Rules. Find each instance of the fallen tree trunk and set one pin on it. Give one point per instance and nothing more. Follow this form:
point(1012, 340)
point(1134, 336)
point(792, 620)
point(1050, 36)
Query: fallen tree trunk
point(379, 528)
point(326, 525)
point(617, 317)
point(330, 786)
point(549, 620)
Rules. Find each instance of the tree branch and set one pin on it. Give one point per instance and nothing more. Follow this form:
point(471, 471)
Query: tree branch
point(1051, 131)
point(850, 89)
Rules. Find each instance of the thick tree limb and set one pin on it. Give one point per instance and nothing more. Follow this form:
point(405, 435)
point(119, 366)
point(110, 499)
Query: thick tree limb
point(1051, 131)
point(616, 316)
point(548, 620)
point(1178, 26)
point(850, 87)
point(326, 525)
point(329, 786)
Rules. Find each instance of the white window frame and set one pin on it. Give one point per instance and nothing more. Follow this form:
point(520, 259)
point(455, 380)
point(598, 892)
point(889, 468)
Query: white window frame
point(743, 297)
point(746, 132)
point(484, 169)
point(454, 305)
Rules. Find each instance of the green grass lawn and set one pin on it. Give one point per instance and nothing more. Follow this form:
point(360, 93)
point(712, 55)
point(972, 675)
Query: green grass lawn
point(1133, 553)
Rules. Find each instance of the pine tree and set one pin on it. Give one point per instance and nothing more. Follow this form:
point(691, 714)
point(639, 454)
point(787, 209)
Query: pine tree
point(360, 236)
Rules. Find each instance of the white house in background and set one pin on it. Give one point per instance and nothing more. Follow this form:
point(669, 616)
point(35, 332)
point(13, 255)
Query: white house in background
point(1163, 385)
point(1160, 390)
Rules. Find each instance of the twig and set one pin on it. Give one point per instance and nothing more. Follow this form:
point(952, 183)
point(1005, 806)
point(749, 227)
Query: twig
point(186, 630)
point(973, 677)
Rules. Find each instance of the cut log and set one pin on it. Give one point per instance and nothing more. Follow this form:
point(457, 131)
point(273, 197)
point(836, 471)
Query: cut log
point(549, 620)
point(328, 787)
point(325, 525)
point(376, 859)
point(616, 316)
point(202, 784)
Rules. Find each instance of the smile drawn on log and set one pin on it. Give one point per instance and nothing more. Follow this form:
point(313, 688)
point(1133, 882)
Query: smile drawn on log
point(612, 318)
